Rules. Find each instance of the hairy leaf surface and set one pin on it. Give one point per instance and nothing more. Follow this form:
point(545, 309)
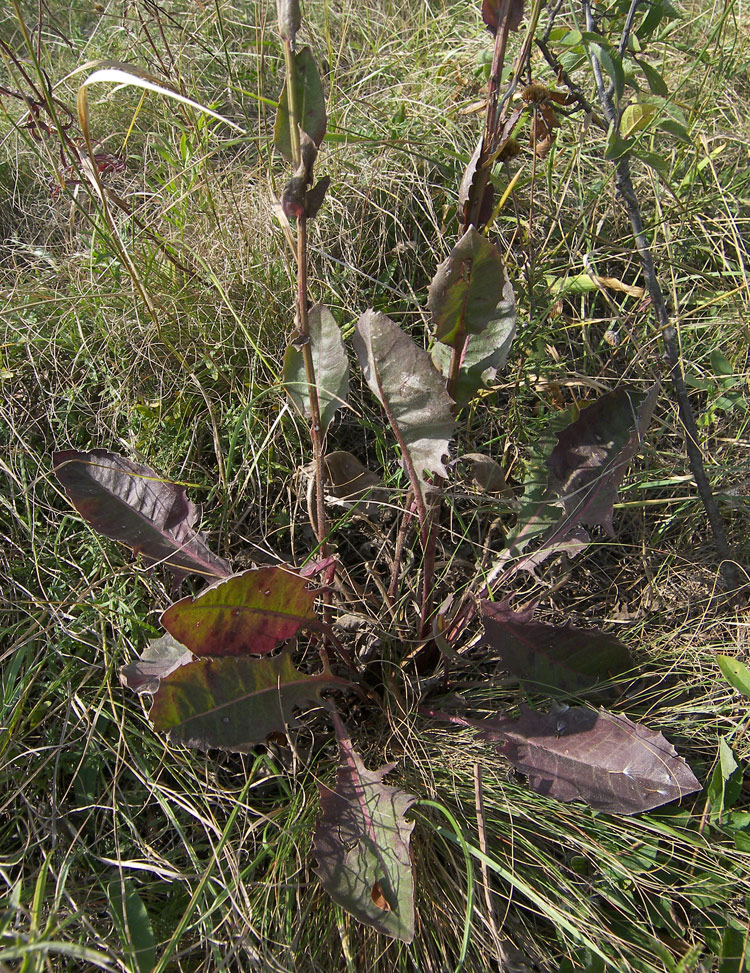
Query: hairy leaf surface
point(311, 105)
point(405, 382)
point(247, 614)
point(558, 658)
point(130, 503)
point(361, 844)
point(234, 704)
point(331, 367)
point(602, 758)
point(466, 289)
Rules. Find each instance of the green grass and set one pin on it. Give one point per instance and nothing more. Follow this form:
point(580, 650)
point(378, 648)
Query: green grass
point(217, 847)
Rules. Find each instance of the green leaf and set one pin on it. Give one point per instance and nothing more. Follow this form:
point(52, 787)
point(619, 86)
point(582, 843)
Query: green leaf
point(655, 81)
point(636, 118)
point(402, 377)
point(311, 105)
point(234, 704)
point(361, 843)
point(466, 289)
point(720, 364)
point(676, 128)
point(735, 673)
point(330, 363)
point(247, 614)
point(616, 146)
point(657, 162)
point(484, 354)
point(725, 785)
point(610, 61)
point(133, 924)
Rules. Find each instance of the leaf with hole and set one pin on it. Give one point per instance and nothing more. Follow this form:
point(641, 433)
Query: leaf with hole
point(330, 363)
point(130, 503)
point(361, 844)
point(602, 758)
point(555, 658)
point(311, 105)
point(402, 377)
point(234, 703)
point(248, 614)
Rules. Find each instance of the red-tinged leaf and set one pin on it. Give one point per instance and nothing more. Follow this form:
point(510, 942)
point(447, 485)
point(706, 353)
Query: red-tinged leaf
point(162, 656)
point(466, 289)
point(592, 454)
point(234, 704)
point(558, 658)
point(130, 503)
point(604, 759)
point(361, 844)
point(483, 354)
point(407, 385)
point(491, 10)
point(311, 105)
point(247, 614)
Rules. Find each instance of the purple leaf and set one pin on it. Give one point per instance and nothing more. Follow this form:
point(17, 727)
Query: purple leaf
point(592, 454)
point(132, 504)
point(604, 759)
point(162, 656)
point(466, 289)
point(247, 614)
point(405, 382)
point(491, 14)
point(234, 704)
point(556, 657)
point(361, 844)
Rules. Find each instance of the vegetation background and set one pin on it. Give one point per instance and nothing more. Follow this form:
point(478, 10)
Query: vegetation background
point(118, 852)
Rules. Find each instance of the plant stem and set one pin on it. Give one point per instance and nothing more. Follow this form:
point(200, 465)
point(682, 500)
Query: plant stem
point(626, 191)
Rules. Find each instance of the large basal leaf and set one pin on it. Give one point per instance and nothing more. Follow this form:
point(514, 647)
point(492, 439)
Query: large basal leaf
point(158, 659)
point(247, 614)
point(606, 760)
point(130, 503)
point(466, 289)
point(311, 105)
point(331, 367)
point(234, 704)
point(361, 843)
point(557, 658)
point(484, 354)
point(591, 456)
point(405, 382)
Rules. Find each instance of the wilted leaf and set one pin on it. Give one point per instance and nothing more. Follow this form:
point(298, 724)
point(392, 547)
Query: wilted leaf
point(488, 475)
point(130, 503)
point(405, 382)
point(606, 760)
point(591, 456)
point(484, 354)
point(466, 289)
point(361, 843)
point(247, 614)
point(234, 704)
point(311, 105)
point(491, 14)
point(469, 188)
point(351, 482)
point(553, 657)
point(331, 367)
point(162, 656)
